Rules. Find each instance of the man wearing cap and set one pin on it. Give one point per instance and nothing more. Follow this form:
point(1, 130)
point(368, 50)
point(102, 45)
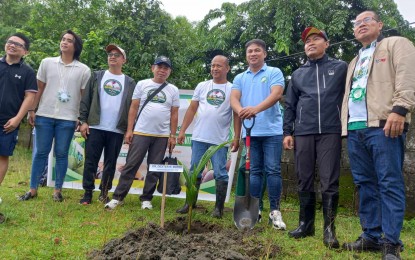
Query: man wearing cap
point(379, 95)
point(313, 101)
point(103, 121)
point(255, 94)
point(17, 91)
point(154, 131)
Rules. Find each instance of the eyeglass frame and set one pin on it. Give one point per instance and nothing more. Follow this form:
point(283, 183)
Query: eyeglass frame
point(114, 54)
point(365, 20)
point(17, 44)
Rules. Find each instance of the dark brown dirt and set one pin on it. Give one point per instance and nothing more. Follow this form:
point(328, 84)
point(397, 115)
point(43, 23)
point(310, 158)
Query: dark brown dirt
point(206, 241)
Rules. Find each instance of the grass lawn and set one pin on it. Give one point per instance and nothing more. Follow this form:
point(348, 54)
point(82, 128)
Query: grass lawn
point(43, 229)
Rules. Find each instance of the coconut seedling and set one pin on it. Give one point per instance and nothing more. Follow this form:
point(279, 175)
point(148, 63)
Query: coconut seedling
point(191, 178)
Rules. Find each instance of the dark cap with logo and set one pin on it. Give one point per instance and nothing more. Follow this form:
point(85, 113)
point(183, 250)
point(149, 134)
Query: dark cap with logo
point(313, 30)
point(162, 59)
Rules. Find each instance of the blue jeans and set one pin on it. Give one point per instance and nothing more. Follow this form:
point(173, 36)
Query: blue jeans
point(48, 129)
point(376, 162)
point(266, 160)
point(218, 159)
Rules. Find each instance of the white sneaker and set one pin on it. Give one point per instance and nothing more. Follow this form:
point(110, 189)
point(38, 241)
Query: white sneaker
point(113, 204)
point(146, 205)
point(276, 219)
point(259, 216)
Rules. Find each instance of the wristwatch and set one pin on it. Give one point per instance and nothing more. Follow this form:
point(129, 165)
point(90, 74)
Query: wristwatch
point(81, 122)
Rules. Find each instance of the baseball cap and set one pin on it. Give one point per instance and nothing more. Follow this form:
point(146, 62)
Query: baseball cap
point(116, 47)
point(162, 59)
point(313, 30)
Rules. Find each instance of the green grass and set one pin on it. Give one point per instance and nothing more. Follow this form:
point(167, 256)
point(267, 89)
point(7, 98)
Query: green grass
point(43, 229)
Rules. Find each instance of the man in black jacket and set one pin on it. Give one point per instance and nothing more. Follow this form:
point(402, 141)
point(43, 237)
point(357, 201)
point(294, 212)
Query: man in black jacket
point(103, 121)
point(312, 115)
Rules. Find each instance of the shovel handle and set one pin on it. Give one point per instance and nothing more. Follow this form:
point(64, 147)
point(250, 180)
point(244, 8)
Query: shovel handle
point(248, 143)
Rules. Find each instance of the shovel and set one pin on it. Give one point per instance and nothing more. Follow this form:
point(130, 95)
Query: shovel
point(245, 212)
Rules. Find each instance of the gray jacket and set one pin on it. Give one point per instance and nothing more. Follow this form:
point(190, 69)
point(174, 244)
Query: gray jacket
point(90, 108)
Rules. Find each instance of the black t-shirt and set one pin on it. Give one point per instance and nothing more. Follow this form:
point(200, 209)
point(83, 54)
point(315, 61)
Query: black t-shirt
point(15, 80)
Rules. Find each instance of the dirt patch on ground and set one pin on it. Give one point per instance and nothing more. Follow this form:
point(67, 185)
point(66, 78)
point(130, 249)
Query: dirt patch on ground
point(206, 241)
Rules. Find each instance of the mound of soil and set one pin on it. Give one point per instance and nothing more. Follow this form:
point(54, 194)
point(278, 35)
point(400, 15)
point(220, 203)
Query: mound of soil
point(206, 241)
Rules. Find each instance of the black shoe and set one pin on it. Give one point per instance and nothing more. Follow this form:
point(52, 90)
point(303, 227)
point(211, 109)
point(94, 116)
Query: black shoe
point(57, 197)
point(390, 251)
point(87, 198)
point(362, 244)
point(27, 196)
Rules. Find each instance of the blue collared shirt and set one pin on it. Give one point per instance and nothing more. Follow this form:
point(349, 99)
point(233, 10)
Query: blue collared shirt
point(255, 88)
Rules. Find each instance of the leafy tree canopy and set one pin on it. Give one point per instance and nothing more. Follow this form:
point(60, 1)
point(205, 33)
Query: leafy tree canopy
point(145, 31)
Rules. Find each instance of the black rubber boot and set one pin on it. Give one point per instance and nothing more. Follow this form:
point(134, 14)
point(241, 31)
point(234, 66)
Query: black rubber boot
point(307, 215)
point(330, 202)
point(221, 188)
point(185, 208)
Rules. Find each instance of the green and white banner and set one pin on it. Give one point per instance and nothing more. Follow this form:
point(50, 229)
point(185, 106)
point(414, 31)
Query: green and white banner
point(73, 179)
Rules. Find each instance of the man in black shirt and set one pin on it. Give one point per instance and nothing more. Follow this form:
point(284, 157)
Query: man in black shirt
point(17, 91)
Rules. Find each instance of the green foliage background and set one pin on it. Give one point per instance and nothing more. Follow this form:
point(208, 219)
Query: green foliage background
point(145, 31)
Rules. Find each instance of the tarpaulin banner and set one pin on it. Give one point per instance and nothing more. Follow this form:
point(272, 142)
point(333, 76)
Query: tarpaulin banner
point(73, 179)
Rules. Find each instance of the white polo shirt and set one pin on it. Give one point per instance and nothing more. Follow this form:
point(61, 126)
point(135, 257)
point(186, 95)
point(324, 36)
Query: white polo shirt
point(53, 72)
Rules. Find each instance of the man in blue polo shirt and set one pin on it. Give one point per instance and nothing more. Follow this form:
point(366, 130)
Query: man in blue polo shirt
point(17, 91)
point(255, 93)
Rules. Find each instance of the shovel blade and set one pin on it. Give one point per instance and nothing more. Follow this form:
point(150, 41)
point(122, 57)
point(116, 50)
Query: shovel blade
point(245, 213)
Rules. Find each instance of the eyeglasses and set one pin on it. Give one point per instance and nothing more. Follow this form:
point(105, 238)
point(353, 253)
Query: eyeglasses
point(365, 20)
point(116, 55)
point(17, 44)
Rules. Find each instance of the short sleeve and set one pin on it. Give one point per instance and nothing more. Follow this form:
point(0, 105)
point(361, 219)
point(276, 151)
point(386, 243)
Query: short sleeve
point(176, 98)
point(31, 84)
point(137, 91)
point(197, 93)
point(41, 73)
point(277, 78)
point(85, 77)
point(237, 82)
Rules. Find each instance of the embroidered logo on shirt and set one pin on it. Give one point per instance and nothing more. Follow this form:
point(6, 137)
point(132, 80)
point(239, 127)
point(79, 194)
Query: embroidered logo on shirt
point(331, 72)
point(112, 87)
point(18, 76)
point(215, 97)
point(380, 60)
point(264, 79)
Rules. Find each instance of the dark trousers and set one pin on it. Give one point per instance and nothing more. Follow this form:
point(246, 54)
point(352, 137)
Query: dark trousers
point(156, 148)
point(325, 149)
point(97, 141)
